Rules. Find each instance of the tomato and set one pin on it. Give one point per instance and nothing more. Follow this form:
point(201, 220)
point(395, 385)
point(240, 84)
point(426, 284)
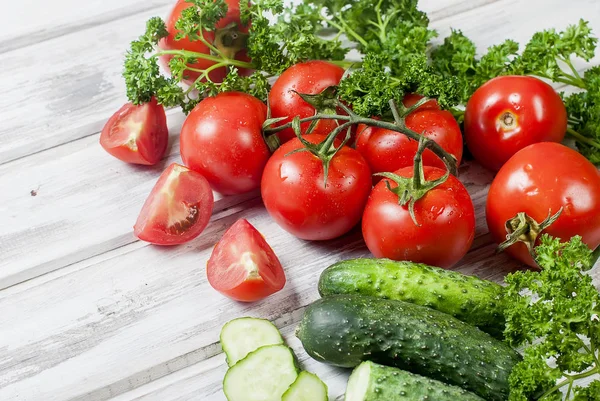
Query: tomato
point(311, 77)
point(222, 139)
point(178, 208)
point(387, 150)
point(169, 43)
point(538, 180)
point(295, 195)
point(411, 99)
point(509, 113)
point(243, 266)
point(137, 134)
point(445, 215)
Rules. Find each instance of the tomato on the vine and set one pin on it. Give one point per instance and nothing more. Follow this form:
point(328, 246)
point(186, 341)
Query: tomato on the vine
point(387, 150)
point(311, 77)
point(222, 139)
point(231, 19)
point(509, 113)
point(137, 134)
point(243, 266)
point(178, 208)
point(539, 180)
point(295, 195)
point(445, 217)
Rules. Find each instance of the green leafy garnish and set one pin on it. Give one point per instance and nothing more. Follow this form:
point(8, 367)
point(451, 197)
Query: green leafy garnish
point(554, 313)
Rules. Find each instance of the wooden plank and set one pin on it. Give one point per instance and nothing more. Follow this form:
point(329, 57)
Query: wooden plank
point(128, 320)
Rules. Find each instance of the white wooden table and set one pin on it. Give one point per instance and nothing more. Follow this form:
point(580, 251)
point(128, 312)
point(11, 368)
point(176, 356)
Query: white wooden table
point(88, 312)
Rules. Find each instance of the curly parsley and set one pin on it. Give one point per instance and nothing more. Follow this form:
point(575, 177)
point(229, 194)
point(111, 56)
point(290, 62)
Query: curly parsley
point(558, 305)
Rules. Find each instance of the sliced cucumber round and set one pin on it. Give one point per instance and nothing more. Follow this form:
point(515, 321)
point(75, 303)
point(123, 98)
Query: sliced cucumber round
point(373, 382)
point(263, 375)
point(241, 336)
point(307, 387)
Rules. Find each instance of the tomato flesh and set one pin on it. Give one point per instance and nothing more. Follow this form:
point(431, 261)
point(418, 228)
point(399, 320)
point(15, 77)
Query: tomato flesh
point(294, 192)
point(222, 139)
point(311, 77)
point(538, 180)
point(445, 215)
point(169, 43)
point(178, 208)
point(243, 266)
point(137, 134)
point(509, 113)
point(387, 150)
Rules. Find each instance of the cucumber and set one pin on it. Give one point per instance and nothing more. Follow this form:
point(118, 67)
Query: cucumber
point(344, 330)
point(373, 382)
point(263, 375)
point(307, 387)
point(468, 298)
point(241, 336)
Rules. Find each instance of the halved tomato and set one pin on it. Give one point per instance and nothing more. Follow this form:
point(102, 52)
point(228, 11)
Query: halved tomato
point(243, 266)
point(137, 134)
point(178, 208)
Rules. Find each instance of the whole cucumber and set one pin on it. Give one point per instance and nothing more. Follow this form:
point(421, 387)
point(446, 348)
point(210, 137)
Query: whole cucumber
point(344, 330)
point(468, 298)
point(373, 382)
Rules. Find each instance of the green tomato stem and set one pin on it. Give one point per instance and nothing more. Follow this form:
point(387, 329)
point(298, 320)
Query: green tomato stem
point(580, 138)
point(216, 59)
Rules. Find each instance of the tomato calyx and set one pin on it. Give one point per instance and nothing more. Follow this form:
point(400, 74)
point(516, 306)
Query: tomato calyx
point(410, 190)
point(523, 228)
point(508, 121)
point(230, 40)
point(325, 150)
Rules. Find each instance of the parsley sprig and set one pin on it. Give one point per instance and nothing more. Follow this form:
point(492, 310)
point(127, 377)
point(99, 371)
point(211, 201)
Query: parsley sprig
point(550, 55)
point(555, 314)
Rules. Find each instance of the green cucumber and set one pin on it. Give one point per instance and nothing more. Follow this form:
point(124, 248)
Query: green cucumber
point(307, 387)
point(241, 336)
point(373, 382)
point(344, 330)
point(468, 298)
point(263, 375)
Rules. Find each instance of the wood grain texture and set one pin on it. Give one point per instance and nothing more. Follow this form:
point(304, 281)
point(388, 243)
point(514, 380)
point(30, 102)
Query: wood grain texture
point(89, 312)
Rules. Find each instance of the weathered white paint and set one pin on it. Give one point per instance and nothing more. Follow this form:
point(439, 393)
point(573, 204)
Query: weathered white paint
point(88, 312)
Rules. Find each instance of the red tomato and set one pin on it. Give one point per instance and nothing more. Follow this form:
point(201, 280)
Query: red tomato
point(295, 196)
point(222, 139)
point(412, 98)
point(445, 215)
point(169, 43)
point(178, 208)
point(311, 77)
point(137, 134)
point(538, 180)
point(387, 150)
point(509, 113)
point(243, 266)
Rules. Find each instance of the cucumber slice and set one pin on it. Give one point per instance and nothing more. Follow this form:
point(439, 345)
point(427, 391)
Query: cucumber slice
point(263, 375)
point(372, 382)
point(307, 387)
point(241, 336)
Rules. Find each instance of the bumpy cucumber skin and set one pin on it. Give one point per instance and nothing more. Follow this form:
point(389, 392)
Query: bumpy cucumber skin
point(344, 330)
point(392, 384)
point(468, 298)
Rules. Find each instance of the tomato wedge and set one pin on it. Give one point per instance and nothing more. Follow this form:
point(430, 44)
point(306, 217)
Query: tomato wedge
point(243, 266)
point(178, 208)
point(137, 134)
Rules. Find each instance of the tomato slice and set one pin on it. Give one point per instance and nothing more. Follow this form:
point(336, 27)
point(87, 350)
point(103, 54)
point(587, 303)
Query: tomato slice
point(178, 208)
point(137, 134)
point(243, 266)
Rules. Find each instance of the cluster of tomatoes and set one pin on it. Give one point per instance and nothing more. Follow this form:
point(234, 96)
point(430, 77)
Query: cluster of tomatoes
point(512, 126)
